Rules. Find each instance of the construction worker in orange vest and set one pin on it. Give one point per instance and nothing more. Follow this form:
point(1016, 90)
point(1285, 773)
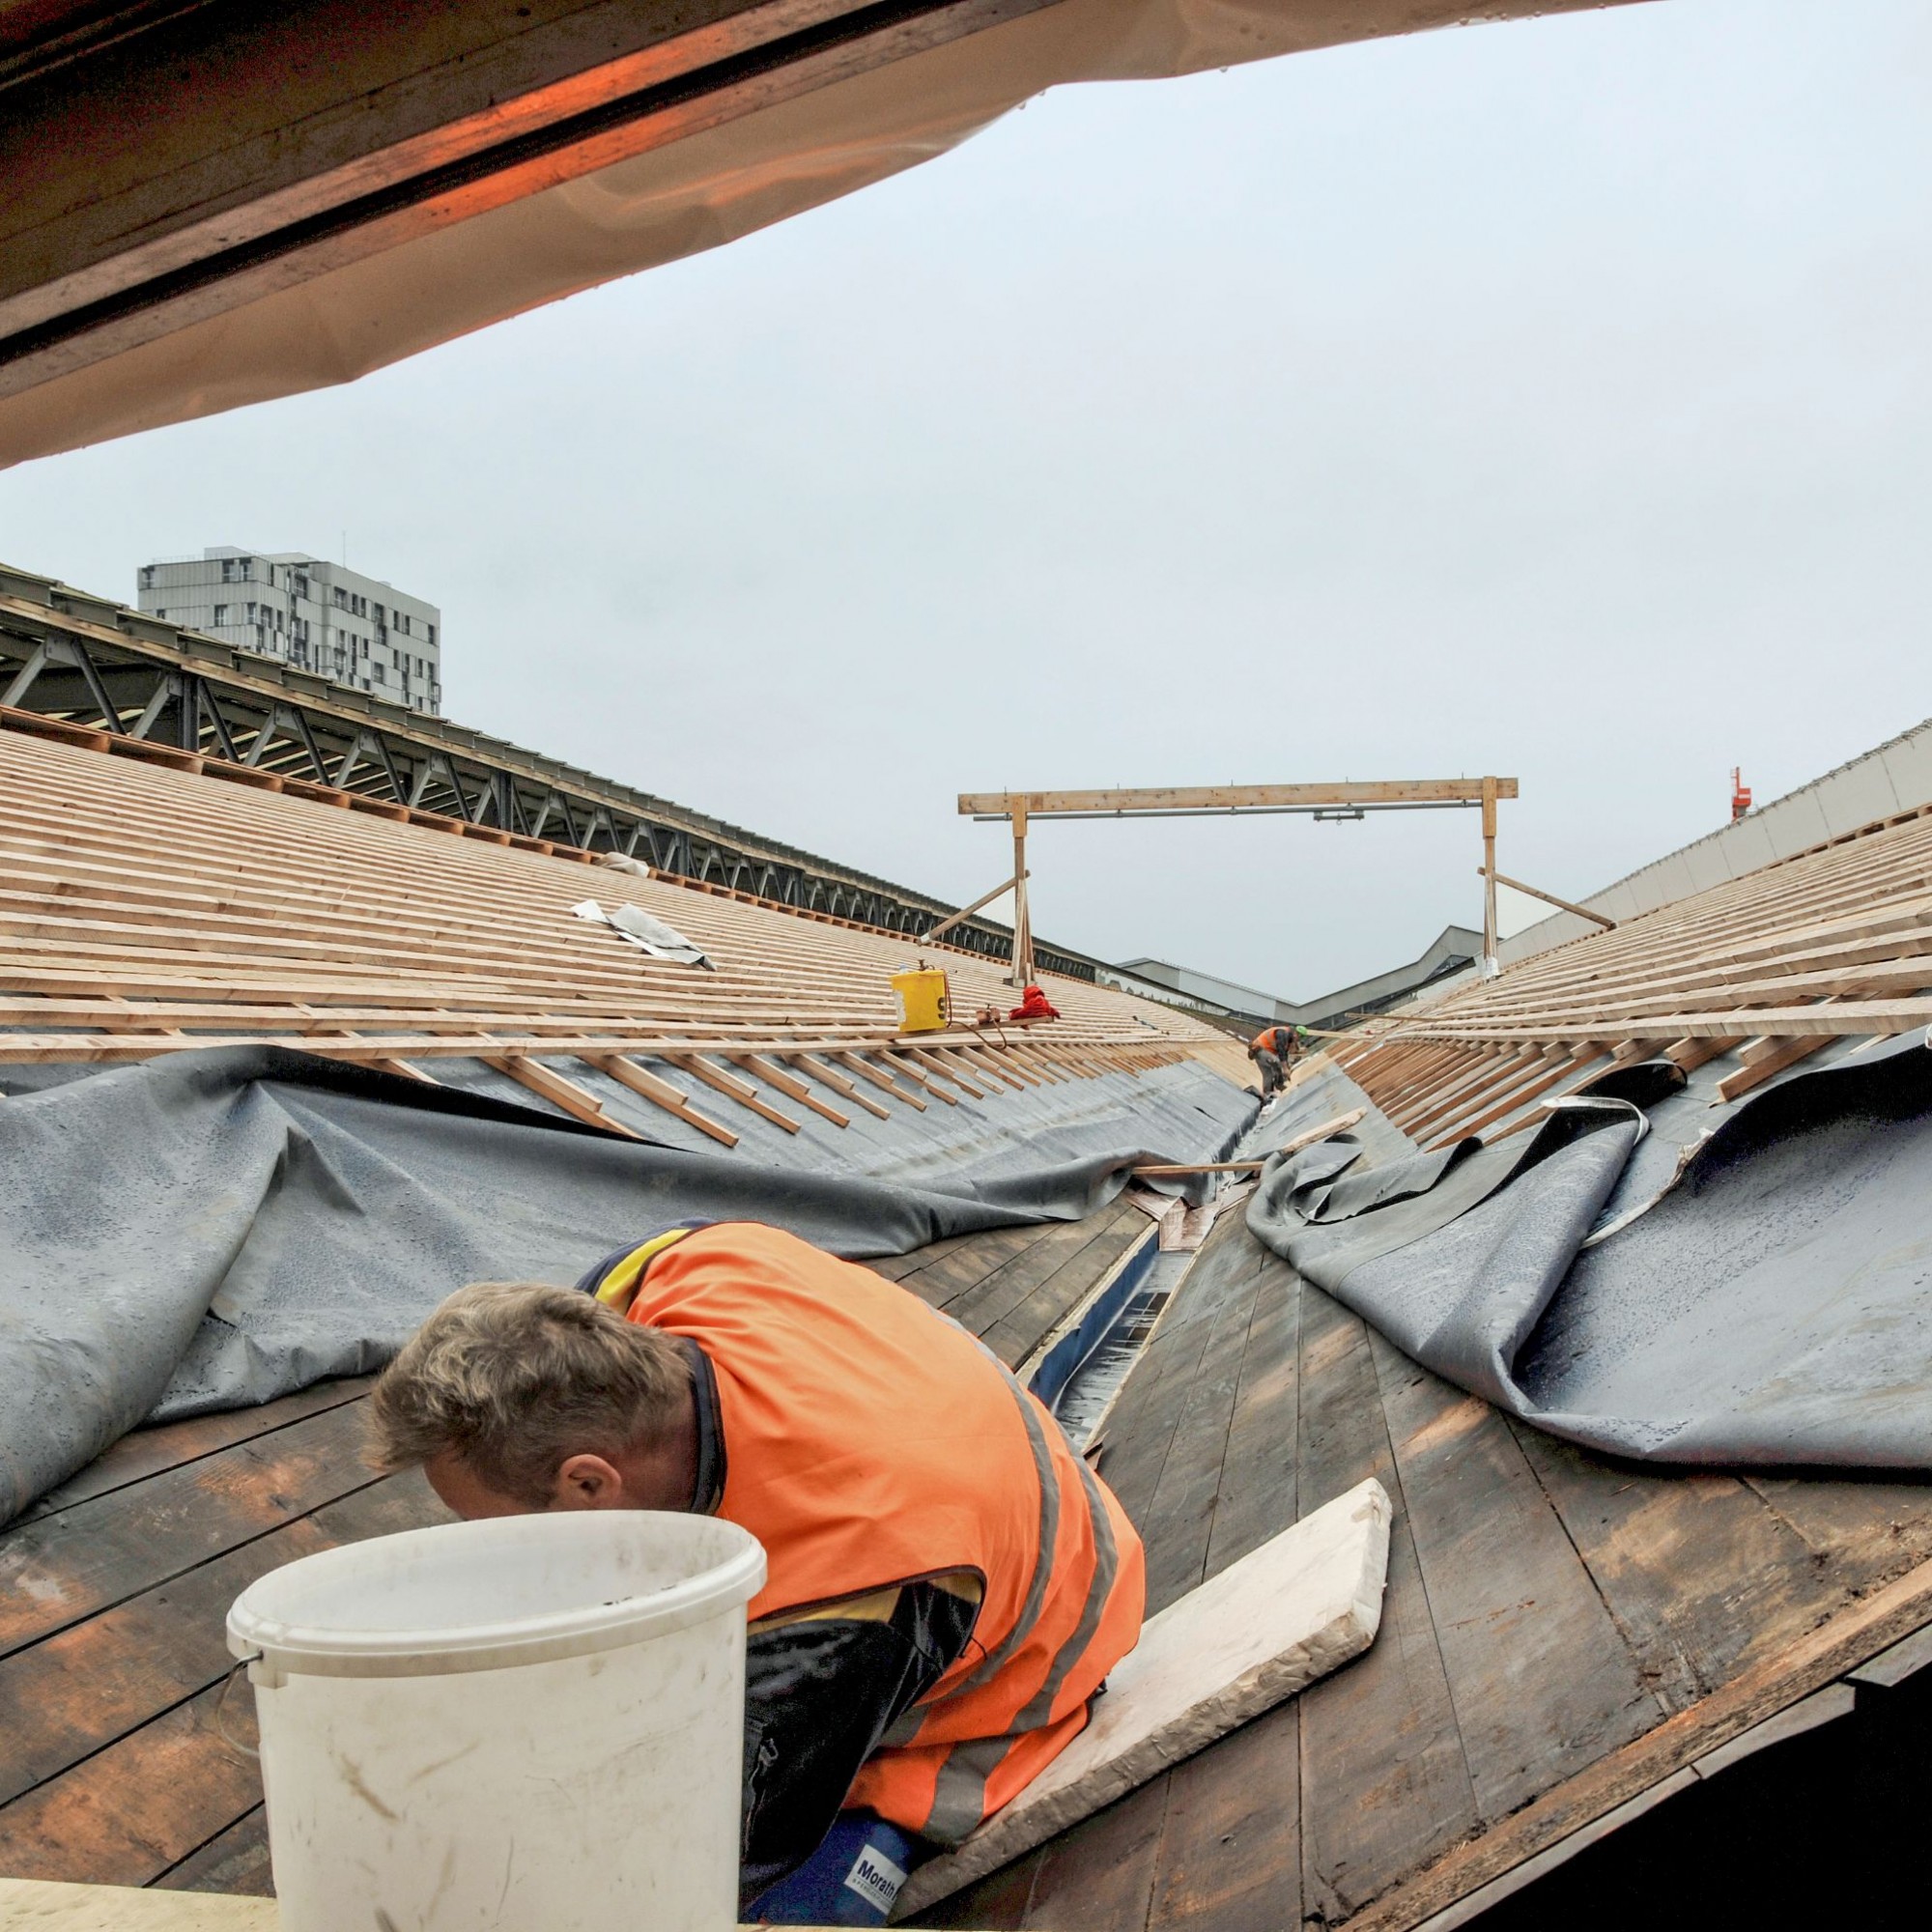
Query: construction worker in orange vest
point(947, 1582)
point(1271, 1049)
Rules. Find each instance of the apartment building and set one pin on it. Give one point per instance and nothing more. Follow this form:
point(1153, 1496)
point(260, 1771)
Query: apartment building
point(320, 616)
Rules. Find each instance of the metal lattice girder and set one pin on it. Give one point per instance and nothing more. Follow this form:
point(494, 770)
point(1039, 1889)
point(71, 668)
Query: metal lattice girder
point(100, 665)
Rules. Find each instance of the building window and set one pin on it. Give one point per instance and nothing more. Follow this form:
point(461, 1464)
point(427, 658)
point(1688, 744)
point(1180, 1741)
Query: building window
point(380, 675)
point(147, 577)
point(221, 613)
point(160, 613)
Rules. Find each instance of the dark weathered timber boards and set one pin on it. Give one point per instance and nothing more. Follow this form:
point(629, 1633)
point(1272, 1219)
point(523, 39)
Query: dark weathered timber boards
point(1137, 1435)
point(1011, 1285)
point(1856, 1633)
point(950, 1268)
point(75, 1692)
point(1383, 1775)
point(1220, 1865)
point(1560, 1631)
point(234, 1861)
point(1543, 1680)
point(124, 1815)
point(1635, 1536)
point(149, 1450)
point(110, 1759)
point(983, 1306)
point(58, 1569)
point(1018, 1332)
point(1184, 1499)
point(1263, 1498)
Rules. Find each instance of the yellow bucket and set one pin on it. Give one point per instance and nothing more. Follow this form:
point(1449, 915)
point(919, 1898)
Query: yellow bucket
point(925, 998)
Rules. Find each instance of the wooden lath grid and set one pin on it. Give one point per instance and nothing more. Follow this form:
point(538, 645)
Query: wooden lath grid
point(1767, 970)
point(359, 791)
point(145, 910)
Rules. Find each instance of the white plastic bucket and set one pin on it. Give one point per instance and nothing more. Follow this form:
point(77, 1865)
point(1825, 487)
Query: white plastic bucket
point(532, 1722)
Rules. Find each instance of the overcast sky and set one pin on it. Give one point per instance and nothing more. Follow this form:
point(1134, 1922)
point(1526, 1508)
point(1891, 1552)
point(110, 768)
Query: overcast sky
point(1551, 399)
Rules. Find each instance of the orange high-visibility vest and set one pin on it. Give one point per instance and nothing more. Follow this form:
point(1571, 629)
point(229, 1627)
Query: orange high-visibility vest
point(869, 1441)
point(1270, 1042)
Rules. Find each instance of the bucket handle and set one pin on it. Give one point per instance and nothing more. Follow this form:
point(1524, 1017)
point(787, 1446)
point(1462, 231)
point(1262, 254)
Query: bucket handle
point(222, 1710)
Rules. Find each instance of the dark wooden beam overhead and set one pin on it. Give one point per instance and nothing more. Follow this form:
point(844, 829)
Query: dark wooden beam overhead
point(168, 161)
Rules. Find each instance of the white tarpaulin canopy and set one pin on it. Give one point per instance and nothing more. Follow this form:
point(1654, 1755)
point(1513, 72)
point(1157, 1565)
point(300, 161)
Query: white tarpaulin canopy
point(692, 193)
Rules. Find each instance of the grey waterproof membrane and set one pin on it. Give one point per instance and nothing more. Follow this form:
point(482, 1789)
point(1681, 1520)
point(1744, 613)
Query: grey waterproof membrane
point(220, 1228)
point(1762, 1296)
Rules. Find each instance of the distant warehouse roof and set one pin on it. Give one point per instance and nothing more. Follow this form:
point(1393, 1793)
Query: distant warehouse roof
point(1454, 950)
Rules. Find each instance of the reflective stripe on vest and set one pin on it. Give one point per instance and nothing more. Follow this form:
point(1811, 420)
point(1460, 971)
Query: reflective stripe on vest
point(617, 1279)
point(871, 1441)
point(959, 1801)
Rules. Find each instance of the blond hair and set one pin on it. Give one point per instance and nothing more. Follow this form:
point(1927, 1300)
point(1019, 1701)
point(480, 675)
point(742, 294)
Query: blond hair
point(515, 1377)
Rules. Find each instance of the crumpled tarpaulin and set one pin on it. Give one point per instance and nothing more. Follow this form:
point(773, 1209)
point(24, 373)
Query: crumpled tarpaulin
point(1768, 1300)
point(648, 933)
point(217, 1228)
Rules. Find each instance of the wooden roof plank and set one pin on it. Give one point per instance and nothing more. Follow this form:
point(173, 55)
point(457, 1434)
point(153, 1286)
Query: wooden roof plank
point(1543, 1680)
point(1385, 1780)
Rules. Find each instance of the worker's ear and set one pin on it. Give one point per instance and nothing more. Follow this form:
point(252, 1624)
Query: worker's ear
point(589, 1482)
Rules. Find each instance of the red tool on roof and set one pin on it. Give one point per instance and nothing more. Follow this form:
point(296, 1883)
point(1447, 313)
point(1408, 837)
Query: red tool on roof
point(1035, 1006)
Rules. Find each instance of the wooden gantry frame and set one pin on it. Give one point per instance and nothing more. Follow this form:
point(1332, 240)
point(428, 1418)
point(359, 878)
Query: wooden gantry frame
point(1348, 799)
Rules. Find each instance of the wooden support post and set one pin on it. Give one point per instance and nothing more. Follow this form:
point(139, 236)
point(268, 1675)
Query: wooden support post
point(1550, 898)
point(984, 899)
point(1022, 915)
point(1491, 966)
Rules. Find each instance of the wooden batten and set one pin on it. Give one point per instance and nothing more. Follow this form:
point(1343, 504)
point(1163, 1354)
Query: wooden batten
point(155, 902)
